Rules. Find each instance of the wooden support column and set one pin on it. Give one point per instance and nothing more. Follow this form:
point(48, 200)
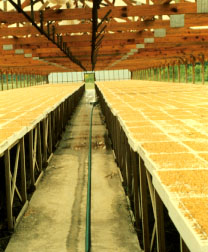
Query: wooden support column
point(122, 151)
point(2, 81)
point(186, 72)
point(137, 199)
point(68, 76)
point(8, 189)
point(160, 229)
point(144, 205)
point(7, 80)
point(193, 61)
point(163, 73)
point(179, 73)
point(173, 73)
point(50, 137)
point(30, 80)
point(27, 79)
point(23, 171)
point(160, 75)
point(32, 157)
point(45, 141)
point(168, 73)
point(202, 68)
point(12, 82)
point(20, 75)
point(128, 170)
point(193, 72)
point(16, 80)
point(39, 149)
point(202, 65)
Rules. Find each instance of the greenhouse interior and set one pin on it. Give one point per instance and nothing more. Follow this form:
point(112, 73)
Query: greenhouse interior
point(103, 126)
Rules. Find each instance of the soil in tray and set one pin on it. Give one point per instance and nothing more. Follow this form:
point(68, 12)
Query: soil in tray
point(164, 147)
point(204, 156)
point(197, 146)
point(192, 135)
point(149, 137)
point(145, 130)
point(177, 160)
point(188, 182)
point(131, 117)
point(196, 209)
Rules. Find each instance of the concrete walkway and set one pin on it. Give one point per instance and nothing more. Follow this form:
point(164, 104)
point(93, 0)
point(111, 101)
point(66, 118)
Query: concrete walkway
point(55, 219)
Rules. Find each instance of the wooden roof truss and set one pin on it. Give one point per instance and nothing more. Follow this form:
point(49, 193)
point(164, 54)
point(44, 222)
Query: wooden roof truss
point(43, 36)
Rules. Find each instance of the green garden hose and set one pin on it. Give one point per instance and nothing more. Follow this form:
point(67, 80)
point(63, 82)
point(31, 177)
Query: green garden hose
point(88, 210)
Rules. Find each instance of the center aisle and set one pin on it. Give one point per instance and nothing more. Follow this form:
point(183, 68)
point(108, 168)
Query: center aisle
point(55, 219)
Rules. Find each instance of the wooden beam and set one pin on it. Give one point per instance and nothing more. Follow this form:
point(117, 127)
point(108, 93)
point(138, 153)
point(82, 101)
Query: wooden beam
point(117, 12)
